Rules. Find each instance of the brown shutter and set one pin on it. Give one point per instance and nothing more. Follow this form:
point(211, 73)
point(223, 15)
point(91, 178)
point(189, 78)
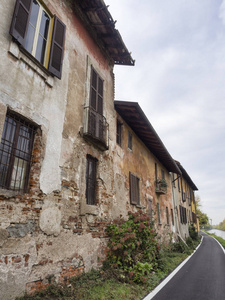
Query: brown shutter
point(134, 189)
point(20, 20)
point(57, 47)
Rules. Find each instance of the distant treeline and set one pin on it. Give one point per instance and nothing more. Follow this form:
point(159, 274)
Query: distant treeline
point(221, 226)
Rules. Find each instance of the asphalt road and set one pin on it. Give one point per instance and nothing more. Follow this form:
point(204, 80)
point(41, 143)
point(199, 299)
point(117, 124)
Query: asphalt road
point(201, 278)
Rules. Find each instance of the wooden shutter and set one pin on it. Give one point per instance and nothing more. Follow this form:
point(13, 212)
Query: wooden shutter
point(20, 20)
point(57, 48)
point(134, 189)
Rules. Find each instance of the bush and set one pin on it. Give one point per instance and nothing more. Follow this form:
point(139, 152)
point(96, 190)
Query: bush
point(193, 233)
point(133, 246)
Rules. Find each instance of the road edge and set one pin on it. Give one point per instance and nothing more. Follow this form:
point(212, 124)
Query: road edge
point(216, 241)
point(171, 275)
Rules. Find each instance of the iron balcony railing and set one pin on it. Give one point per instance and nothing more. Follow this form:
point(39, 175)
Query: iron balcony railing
point(160, 186)
point(96, 129)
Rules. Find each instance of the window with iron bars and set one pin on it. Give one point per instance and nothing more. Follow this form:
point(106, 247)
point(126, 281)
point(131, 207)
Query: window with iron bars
point(16, 153)
point(91, 180)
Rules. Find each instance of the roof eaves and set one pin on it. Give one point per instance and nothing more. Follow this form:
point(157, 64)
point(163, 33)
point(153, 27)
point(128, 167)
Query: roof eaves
point(100, 24)
point(186, 176)
point(151, 138)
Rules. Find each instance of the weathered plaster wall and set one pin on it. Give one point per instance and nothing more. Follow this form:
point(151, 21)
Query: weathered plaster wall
point(44, 233)
point(51, 232)
point(141, 162)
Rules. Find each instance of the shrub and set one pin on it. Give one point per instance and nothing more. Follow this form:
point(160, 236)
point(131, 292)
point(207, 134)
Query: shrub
point(193, 233)
point(133, 246)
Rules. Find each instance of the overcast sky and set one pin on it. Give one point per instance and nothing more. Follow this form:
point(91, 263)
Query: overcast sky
point(179, 82)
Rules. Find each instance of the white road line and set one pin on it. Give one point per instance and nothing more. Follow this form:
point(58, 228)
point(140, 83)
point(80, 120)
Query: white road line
point(168, 278)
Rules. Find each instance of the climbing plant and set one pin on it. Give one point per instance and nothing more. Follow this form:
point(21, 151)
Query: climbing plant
point(133, 246)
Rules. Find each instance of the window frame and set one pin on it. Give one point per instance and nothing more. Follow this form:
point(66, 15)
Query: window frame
point(91, 181)
point(37, 32)
point(56, 36)
point(19, 154)
point(134, 184)
point(129, 140)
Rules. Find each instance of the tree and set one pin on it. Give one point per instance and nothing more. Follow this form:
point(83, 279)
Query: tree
point(203, 218)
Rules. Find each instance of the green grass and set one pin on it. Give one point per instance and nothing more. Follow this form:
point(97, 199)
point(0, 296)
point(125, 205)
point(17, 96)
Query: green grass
point(110, 284)
point(219, 239)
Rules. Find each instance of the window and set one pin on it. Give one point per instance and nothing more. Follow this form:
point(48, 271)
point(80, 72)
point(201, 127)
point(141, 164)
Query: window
point(91, 180)
point(183, 215)
point(118, 132)
point(130, 146)
point(134, 190)
point(16, 153)
point(167, 216)
point(31, 27)
point(159, 213)
point(163, 174)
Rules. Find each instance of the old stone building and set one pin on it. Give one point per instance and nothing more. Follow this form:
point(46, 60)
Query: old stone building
point(56, 126)
point(146, 164)
point(184, 202)
point(71, 160)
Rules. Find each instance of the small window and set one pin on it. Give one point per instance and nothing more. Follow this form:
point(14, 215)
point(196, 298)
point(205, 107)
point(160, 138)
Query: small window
point(39, 33)
point(167, 216)
point(119, 132)
point(130, 146)
point(183, 215)
point(91, 181)
point(163, 174)
point(159, 213)
point(134, 190)
point(16, 153)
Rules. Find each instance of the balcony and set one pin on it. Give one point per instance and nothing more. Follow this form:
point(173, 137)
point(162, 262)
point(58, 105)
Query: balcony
point(161, 186)
point(96, 129)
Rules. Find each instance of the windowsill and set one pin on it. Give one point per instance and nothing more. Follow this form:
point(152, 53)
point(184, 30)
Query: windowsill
point(20, 53)
point(9, 194)
point(89, 209)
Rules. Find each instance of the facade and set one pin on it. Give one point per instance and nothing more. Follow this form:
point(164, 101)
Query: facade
point(184, 202)
point(146, 164)
point(71, 159)
point(57, 134)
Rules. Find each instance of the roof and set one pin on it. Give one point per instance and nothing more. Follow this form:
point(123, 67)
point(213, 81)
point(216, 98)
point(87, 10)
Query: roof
point(98, 20)
point(133, 115)
point(186, 176)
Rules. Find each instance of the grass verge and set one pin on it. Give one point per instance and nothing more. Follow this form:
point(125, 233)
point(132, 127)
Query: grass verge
point(218, 238)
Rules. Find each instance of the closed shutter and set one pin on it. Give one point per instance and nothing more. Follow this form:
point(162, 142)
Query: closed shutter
point(57, 48)
point(134, 189)
point(20, 20)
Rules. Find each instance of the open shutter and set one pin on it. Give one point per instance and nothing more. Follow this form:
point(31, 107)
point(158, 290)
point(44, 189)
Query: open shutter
point(57, 47)
point(20, 20)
